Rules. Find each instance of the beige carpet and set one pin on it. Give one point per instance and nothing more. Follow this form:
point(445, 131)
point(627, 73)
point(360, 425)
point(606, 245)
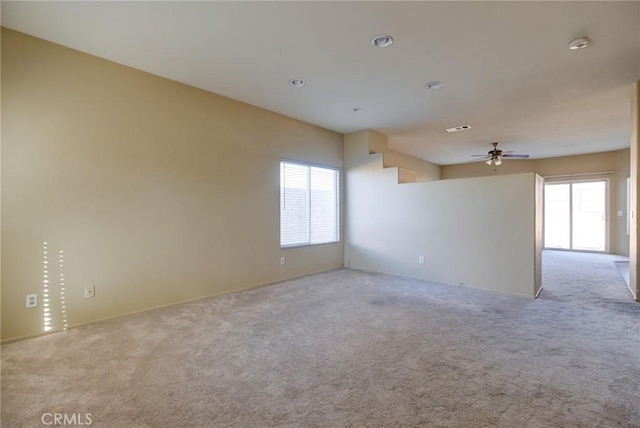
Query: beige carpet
point(350, 349)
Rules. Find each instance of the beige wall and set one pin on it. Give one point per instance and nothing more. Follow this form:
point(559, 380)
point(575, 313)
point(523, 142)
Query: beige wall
point(156, 192)
point(449, 222)
point(616, 161)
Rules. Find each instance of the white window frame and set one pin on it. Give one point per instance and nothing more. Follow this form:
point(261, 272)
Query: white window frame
point(337, 193)
point(607, 205)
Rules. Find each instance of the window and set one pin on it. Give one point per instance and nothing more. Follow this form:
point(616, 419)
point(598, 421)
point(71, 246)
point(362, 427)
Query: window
point(309, 204)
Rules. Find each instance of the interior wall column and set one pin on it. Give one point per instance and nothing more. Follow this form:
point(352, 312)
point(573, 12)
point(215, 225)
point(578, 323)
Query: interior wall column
point(634, 238)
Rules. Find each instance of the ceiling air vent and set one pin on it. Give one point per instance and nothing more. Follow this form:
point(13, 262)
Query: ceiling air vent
point(459, 128)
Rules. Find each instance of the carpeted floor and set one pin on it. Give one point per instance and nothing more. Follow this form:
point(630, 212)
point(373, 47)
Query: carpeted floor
point(350, 349)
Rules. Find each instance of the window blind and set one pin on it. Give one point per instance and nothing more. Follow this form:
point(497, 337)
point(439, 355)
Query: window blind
point(309, 204)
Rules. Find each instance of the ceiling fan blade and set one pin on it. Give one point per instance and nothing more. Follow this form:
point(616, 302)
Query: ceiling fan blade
point(484, 156)
point(515, 156)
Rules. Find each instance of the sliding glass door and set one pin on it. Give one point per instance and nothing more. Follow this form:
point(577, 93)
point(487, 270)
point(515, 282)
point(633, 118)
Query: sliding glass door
point(575, 215)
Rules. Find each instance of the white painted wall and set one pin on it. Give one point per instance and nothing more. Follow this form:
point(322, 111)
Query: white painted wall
point(477, 231)
point(634, 234)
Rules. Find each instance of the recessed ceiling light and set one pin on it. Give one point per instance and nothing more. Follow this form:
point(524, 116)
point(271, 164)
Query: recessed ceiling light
point(459, 128)
point(297, 82)
point(579, 43)
point(357, 109)
point(382, 41)
point(433, 85)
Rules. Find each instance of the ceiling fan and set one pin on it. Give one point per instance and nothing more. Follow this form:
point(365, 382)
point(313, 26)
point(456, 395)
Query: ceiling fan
point(495, 156)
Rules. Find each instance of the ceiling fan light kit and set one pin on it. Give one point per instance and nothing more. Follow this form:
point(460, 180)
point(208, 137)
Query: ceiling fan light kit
point(494, 161)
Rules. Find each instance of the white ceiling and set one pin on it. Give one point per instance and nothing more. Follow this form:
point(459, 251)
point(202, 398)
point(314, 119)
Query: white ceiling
point(505, 66)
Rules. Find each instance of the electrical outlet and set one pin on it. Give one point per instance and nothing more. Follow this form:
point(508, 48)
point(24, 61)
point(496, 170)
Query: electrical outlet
point(421, 260)
point(283, 261)
point(89, 291)
point(32, 300)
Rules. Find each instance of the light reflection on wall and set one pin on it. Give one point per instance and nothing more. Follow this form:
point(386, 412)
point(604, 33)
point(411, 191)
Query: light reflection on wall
point(48, 290)
point(63, 305)
point(46, 312)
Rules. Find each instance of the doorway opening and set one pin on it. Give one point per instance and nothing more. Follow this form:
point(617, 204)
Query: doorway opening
point(576, 215)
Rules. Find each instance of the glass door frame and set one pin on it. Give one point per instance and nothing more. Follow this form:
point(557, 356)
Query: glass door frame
point(607, 220)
